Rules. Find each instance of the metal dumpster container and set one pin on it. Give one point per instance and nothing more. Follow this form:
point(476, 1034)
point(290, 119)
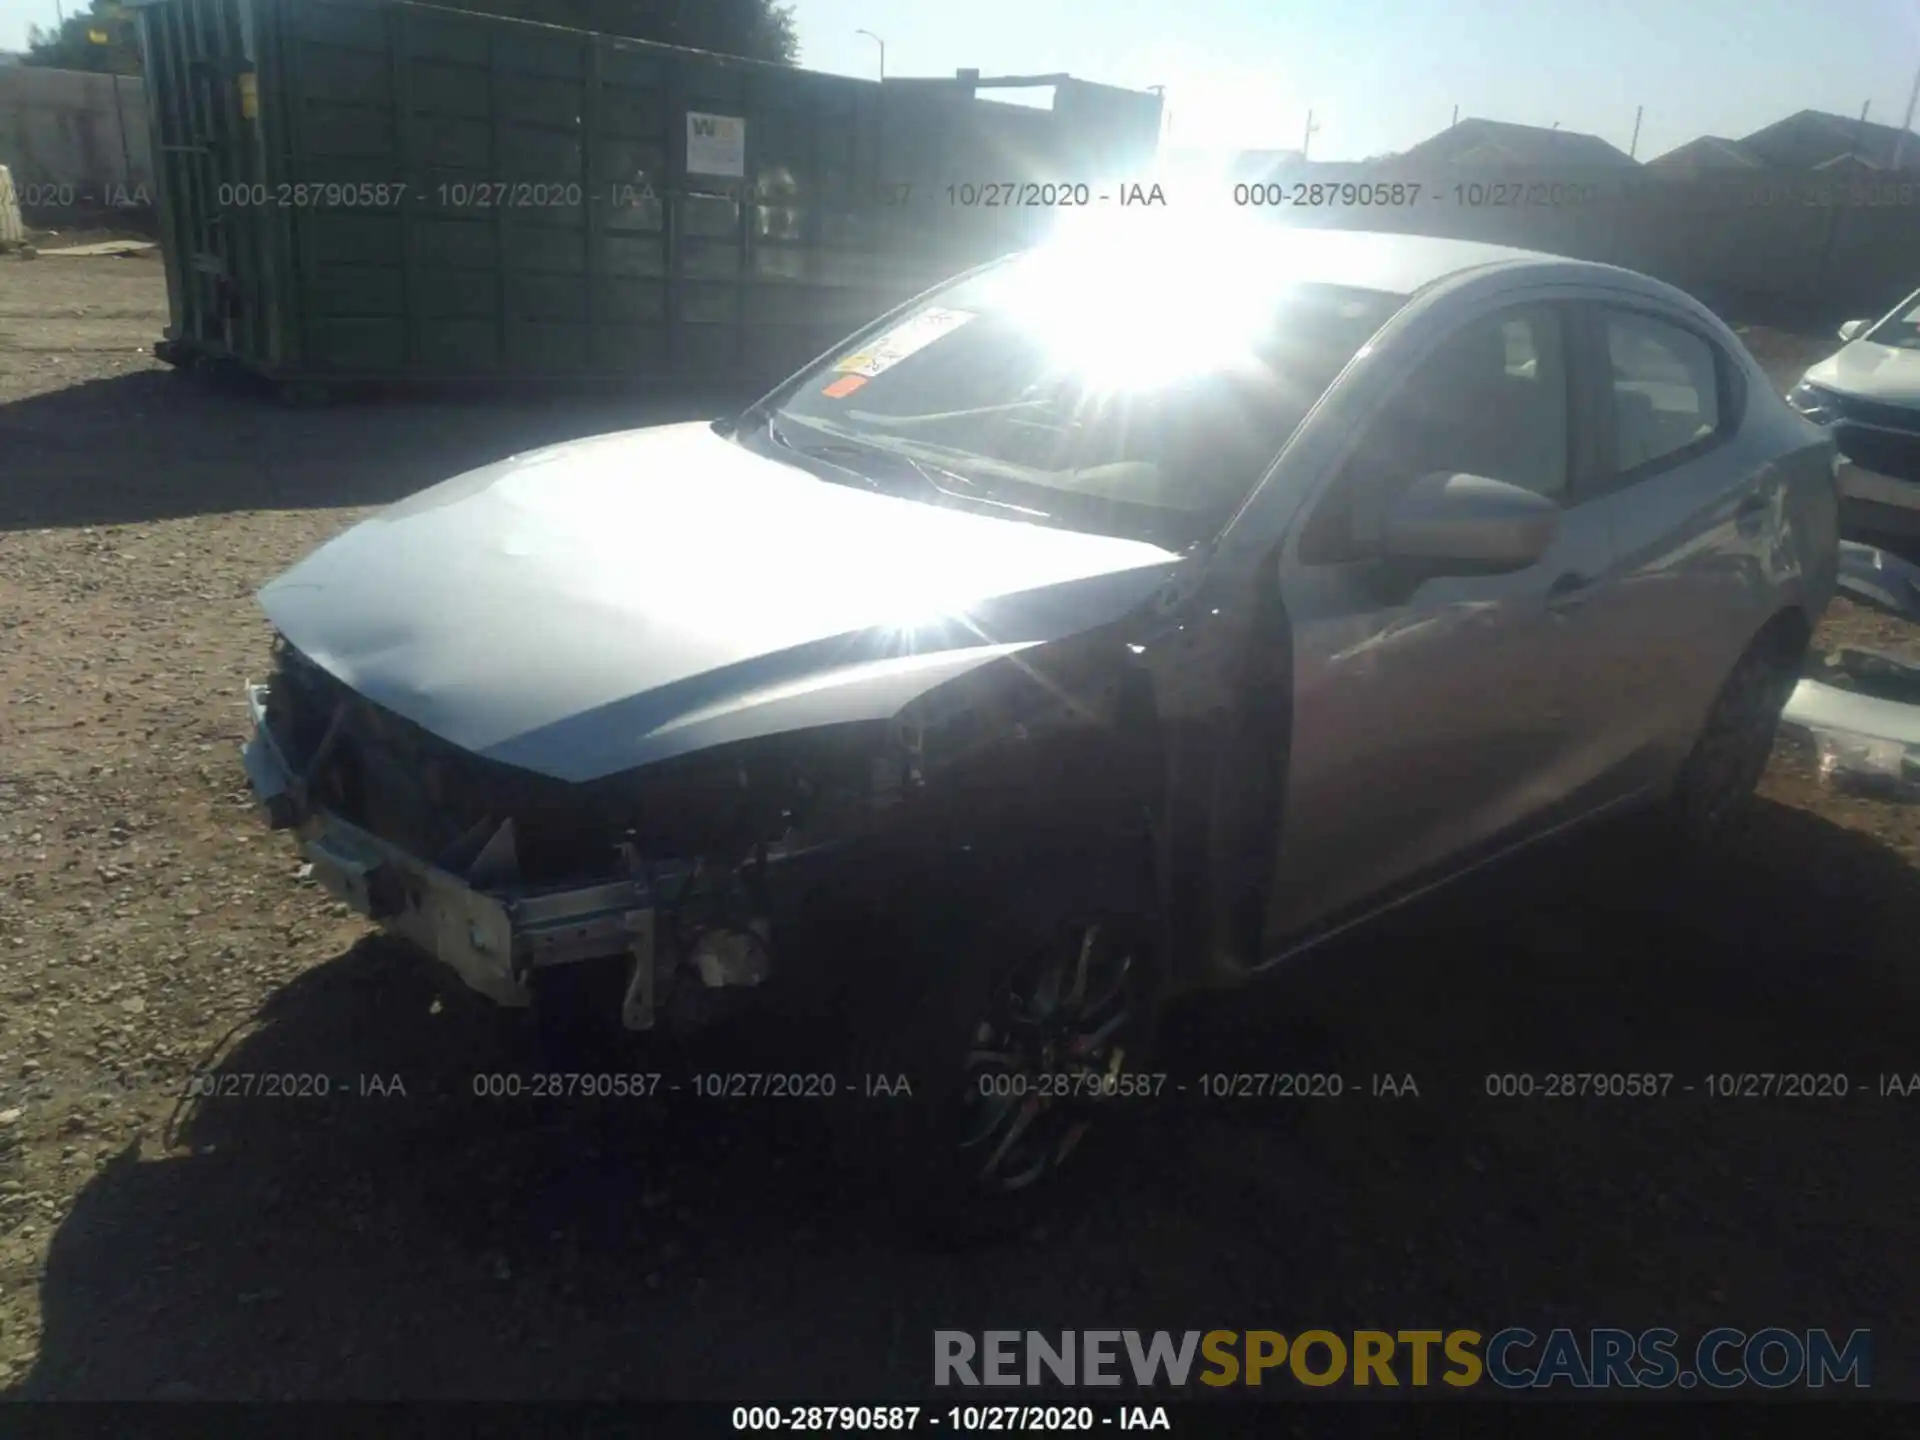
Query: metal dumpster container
point(373, 190)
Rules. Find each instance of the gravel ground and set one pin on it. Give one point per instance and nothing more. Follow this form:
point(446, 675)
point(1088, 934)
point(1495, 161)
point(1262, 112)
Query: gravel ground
point(1785, 356)
point(380, 1244)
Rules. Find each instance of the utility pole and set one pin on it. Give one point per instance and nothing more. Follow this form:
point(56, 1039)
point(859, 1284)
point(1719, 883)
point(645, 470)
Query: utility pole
point(1633, 147)
point(1456, 118)
point(1166, 116)
point(1306, 142)
point(883, 51)
point(1860, 135)
point(1906, 126)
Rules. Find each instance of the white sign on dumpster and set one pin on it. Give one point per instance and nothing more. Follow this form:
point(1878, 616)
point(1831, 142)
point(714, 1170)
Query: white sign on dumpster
point(716, 144)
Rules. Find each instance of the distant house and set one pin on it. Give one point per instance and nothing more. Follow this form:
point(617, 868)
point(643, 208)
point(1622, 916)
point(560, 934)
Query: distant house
point(1250, 166)
point(1709, 152)
point(1238, 161)
point(1496, 142)
point(1254, 166)
point(1816, 140)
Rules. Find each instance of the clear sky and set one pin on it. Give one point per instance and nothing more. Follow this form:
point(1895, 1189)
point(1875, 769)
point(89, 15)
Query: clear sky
point(1381, 74)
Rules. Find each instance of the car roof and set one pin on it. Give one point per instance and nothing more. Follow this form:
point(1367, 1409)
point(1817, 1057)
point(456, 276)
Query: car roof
point(1398, 264)
point(1262, 250)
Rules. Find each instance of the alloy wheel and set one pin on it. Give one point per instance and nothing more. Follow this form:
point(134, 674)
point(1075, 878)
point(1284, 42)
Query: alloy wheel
point(1046, 1054)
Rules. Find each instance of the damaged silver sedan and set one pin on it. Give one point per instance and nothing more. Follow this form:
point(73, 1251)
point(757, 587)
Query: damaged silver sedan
point(1097, 627)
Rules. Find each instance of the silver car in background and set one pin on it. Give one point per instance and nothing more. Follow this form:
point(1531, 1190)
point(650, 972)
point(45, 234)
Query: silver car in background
point(1118, 620)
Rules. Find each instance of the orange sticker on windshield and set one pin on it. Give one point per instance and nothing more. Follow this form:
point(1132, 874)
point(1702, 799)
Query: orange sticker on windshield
point(845, 385)
point(907, 338)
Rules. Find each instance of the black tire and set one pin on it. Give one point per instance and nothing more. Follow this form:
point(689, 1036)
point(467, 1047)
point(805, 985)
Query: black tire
point(1723, 768)
point(966, 1012)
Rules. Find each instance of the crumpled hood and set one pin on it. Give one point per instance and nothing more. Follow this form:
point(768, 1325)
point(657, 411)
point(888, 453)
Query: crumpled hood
point(605, 603)
point(1871, 372)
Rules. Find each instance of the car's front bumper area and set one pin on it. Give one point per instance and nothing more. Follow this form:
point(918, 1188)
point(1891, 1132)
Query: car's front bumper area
point(1872, 503)
point(493, 939)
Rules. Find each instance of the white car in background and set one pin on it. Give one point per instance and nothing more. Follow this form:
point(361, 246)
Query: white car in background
point(1869, 392)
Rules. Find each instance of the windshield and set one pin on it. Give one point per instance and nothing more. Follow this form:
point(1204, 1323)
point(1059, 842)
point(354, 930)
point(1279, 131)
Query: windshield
point(1102, 398)
point(1901, 329)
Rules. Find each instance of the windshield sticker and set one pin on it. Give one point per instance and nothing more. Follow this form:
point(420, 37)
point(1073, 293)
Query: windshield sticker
point(903, 340)
point(844, 386)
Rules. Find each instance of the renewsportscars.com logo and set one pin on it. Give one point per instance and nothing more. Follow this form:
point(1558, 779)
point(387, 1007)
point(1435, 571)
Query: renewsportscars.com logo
point(1511, 1359)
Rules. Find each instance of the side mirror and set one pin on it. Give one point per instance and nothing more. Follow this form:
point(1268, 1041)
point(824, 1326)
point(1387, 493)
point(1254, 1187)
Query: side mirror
point(1469, 521)
point(1852, 328)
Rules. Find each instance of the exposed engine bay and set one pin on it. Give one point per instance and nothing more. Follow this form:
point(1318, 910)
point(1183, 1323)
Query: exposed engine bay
point(691, 868)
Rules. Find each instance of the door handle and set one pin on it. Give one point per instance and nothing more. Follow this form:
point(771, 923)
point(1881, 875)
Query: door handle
point(1569, 592)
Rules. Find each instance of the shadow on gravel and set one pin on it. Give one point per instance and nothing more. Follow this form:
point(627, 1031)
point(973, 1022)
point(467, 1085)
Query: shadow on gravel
point(449, 1245)
point(159, 445)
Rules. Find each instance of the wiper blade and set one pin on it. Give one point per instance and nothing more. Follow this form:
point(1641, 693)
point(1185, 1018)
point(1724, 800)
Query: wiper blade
point(859, 459)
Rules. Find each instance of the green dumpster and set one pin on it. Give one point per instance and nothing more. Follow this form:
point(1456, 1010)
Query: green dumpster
point(365, 190)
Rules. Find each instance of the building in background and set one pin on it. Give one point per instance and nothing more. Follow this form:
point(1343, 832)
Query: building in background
point(1815, 140)
point(1707, 153)
point(76, 133)
point(1251, 166)
point(1497, 142)
point(1805, 140)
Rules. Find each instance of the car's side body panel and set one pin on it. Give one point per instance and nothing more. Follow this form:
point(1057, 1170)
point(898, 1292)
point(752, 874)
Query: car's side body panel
point(1708, 551)
point(1429, 721)
point(1429, 735)
point(1292, 746)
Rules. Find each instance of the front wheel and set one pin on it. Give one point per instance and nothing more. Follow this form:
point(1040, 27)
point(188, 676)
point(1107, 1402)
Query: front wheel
point(1022, 1042)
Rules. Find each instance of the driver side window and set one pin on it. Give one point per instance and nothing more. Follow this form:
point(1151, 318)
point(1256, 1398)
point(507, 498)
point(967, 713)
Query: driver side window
point(1491, 401)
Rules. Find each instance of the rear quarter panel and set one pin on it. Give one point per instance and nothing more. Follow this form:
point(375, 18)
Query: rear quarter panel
point(1805, 561)
point(1706, 555)
point(1799, 551)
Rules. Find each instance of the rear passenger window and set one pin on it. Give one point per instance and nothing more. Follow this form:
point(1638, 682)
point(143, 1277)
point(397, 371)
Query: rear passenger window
point(1666, 389)
point(1523, 357)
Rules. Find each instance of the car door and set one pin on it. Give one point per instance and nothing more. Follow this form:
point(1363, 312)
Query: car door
point(1437, 715)
point(1692, 512)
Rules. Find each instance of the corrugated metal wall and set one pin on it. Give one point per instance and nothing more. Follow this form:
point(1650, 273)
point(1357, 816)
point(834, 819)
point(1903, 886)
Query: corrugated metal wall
point(363, 188)
point(1788, 248)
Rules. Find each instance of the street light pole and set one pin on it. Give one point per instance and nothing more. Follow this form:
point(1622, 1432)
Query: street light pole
point(883, 50)
point(1906, 126)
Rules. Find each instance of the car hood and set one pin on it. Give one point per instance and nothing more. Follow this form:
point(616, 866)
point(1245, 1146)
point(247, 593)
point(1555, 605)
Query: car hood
point(605, 603)
point(1871, 372)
